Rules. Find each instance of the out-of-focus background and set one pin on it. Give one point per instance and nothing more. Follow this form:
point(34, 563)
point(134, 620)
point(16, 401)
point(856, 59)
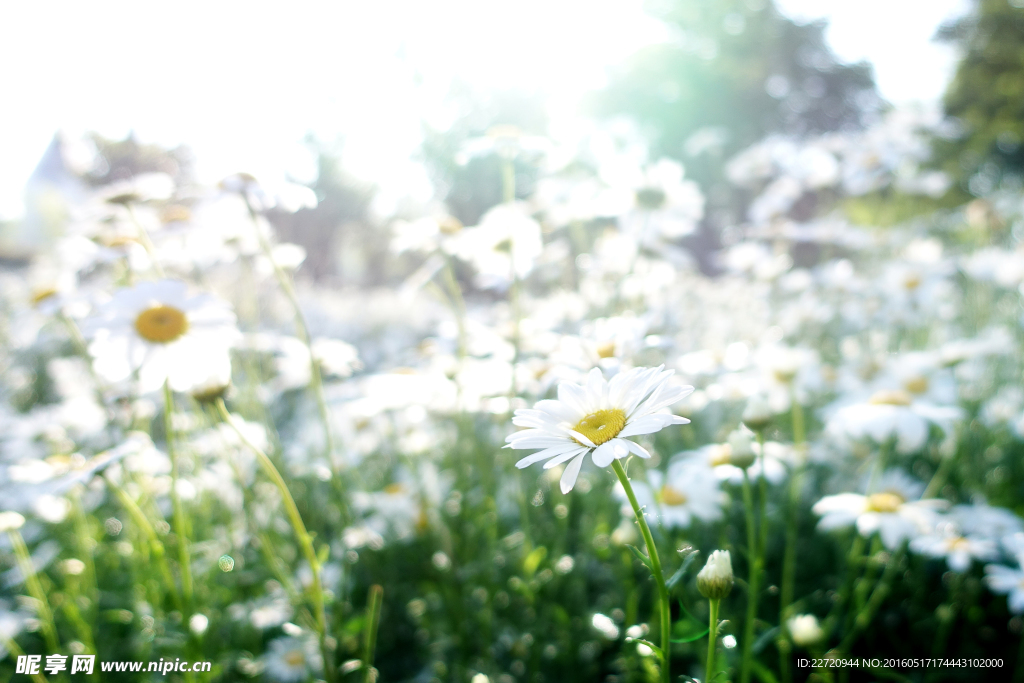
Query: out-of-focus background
point(391, 90)
point(277, 279)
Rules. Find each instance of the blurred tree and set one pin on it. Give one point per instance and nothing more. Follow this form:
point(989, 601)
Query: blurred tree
point(986, 96)
point(467, 172)
point(340, 239)
point(736, 71)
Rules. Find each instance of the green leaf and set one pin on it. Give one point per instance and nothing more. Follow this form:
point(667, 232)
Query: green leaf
point(533, 560)
point(657, 650)
point(681, 572)
point(323, 554)
point(762, 672)
point(765, 638)
point(688, 630)
point(640, 556)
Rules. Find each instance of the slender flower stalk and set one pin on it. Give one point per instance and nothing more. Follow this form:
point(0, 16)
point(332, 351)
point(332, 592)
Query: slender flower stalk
point(302, 331)
point(144, 239)
point(789, 556)
point(305, 540)
point(714, 582)
point(754, 560)
point(878, 595)
point(712, 638)
point(375, 598)
point(180, 528)
point(35, 589)
point(156, 547)
point(664, 607)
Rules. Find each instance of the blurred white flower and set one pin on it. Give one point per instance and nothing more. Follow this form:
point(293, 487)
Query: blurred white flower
point(157, 332)
point(887, 512)
point(505, 243)
point(805, 630)
point(689, 491)
point(290, 659)
point(946, 541)
point(1007, 581)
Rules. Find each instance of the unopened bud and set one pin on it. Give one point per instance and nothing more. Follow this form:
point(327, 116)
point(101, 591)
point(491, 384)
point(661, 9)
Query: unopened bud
point(714, 581)
point(742, 446)
point(758, 414)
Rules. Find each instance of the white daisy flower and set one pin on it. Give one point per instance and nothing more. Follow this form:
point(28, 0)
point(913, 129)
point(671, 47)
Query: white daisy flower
point(292, 659)
point(1007, 581)
point(888, 512)
point(158, 332)
point(597, 418)
point(946, 541)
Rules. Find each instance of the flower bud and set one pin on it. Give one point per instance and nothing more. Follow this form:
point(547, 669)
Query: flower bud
point(758, 414)
point(805, 630)
point(742, 447)
point(714, 581)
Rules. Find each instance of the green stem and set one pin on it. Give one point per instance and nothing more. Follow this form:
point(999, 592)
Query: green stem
point(853, 560)
point(180, 529)
point(155, 545)
point(753, 587)
point(16, 650)
point(375, 599)
point(939, 478)
point(35, 589)
point(880, 462)
point(305, 540)
point(712, 639)
point(145, 240)
point(302, 331)
point(864, 617)
point(659, 577)
point(763, 502)
point(789, 556)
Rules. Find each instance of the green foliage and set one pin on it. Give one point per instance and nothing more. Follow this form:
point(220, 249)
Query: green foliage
point(736, 71)
point(987, 96)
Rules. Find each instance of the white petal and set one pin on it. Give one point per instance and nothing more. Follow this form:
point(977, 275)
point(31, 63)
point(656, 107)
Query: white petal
point(582, 439)
point(636, 448)
point(604, 454)
point(572, 471)
point(554, 462)
point(552, 452)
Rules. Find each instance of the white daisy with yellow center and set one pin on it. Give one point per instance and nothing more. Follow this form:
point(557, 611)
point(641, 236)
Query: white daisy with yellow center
point(887, 512)
point(596, 418)
point(157, 332)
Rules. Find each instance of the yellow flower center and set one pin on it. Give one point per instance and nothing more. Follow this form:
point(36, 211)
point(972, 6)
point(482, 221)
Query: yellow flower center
point(602, 426)
point(394, 489)
point(721, 455)
point(956, 543)
point(917, 385)
point(449, 225)
point(885, 502)
point(890, 398)
point(41, 295)
point(606, 350)
point(174, 213)
point(295, 658)
point(672, 496)
point(161, 324)
point(115, 241)
point(912, 281)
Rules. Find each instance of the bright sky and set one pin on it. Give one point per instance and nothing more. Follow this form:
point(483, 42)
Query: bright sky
point(242, 83)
